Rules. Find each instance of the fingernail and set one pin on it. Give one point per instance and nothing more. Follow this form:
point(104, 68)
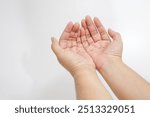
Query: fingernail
point(52, 39)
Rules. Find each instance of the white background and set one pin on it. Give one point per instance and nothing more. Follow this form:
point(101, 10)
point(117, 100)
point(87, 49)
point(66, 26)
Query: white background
point(28, 67)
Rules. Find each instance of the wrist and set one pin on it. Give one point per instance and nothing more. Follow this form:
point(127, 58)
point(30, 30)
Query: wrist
point(83, 72)
point(110, 61)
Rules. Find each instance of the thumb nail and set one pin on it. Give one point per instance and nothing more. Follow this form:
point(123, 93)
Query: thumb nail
point(52, 38)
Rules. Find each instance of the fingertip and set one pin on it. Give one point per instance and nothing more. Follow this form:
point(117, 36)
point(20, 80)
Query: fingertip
point(88, 20)
point(82, 20)
point(87, 16)
point(55, 42)
point(110, 31)
point(77, 24)
point(115, 35)
point(83, 23)
point(52, 39)
point(70, 23)
point(76, 27)
point(69, 26)
point(55, 46)
point(95, 18)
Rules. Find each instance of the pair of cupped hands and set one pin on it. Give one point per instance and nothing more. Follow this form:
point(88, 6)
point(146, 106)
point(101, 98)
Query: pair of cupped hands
point(87, 47)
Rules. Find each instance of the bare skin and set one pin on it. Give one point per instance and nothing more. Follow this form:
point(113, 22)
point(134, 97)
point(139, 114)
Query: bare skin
point(81, 50)
point(98, 44)
point(106, 53)
point(72, 55)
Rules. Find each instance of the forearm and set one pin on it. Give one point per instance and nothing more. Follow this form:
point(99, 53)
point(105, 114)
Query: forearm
point(89, 87)
point(125, 83)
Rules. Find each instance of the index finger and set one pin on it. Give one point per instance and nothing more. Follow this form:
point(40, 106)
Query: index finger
point(101, 29)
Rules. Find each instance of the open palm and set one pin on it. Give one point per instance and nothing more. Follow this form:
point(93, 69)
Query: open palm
point(71, 53)
point(97, 42)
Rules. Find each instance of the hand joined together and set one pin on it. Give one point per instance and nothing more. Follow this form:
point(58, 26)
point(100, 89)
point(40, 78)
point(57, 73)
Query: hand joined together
point(83, 49)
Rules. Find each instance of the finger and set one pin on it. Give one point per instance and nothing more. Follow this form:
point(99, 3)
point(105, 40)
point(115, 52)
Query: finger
point(87, 33)
point(92, 29)
point(67, 31)
point(79, 43)
point(101, 29)
point(83, 38)
point(83, 23)
point(65, 35)
point(68, 27)
point(75, 27)
point(114, 35)
point(56, 47)
point(73, 33)
point(85, 28)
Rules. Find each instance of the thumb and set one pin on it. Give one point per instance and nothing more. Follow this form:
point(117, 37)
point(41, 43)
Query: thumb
point(114, 35)
point(56, 47)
